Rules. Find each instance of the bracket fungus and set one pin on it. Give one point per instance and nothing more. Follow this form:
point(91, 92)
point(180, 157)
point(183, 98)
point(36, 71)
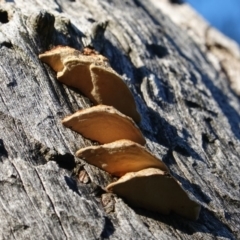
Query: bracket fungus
point(92, 75)
point(54, 58)
point(120, 157)
point(144, 181)
point(110, 89)
point(155, 190)
point(104, 124)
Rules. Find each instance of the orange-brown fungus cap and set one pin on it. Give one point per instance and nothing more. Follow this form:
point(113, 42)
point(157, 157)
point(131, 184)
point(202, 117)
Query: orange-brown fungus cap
point(120, 157)
point(157, 191)
point(104, 124)
point(110, 89)
point(54, 57)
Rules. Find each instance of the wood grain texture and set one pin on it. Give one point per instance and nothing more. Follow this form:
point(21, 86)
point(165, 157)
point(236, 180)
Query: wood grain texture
point(190, 119)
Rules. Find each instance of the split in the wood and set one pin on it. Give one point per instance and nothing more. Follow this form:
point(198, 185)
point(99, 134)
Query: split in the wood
point(91, 74)
point(104, 124)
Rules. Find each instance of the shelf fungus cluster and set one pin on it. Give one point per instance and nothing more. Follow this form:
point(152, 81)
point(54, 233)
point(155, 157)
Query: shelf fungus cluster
point(91, 74)
point(144, 181)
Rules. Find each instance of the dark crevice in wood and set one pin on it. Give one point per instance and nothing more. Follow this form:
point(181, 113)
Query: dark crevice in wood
point(108, 229)
point(72, 184)
point(3, 151)
point(192, 104)
point(59, 8)
point(97, 191)
point(3, 16)
point(158, 50)
point(42, 25)
point(65, 161)
point(91, 20)
point(182, 150)
point(6, 44)
point(19, 227)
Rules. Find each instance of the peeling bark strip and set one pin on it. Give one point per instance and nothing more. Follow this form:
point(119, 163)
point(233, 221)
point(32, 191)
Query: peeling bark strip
point(190, 119)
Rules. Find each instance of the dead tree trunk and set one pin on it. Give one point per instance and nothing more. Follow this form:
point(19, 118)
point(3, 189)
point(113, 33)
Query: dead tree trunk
point(190, 119)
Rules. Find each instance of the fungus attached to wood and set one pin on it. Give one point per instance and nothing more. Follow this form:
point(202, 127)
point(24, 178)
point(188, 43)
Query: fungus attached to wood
point(76, 74)
point(155, 190)
point(92, 75)
point(54, 57)
point(72, 67)
point(104, 124)
point(109, 89)
point(120, 157)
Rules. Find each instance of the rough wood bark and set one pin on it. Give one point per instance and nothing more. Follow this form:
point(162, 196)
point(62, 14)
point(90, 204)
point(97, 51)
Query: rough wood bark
point(190, 119)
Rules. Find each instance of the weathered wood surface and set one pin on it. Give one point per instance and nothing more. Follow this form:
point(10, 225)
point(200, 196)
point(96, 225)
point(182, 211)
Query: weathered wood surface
point(190, 119)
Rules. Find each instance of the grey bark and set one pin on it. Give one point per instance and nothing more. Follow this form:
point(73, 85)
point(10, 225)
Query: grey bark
point(190, 119)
